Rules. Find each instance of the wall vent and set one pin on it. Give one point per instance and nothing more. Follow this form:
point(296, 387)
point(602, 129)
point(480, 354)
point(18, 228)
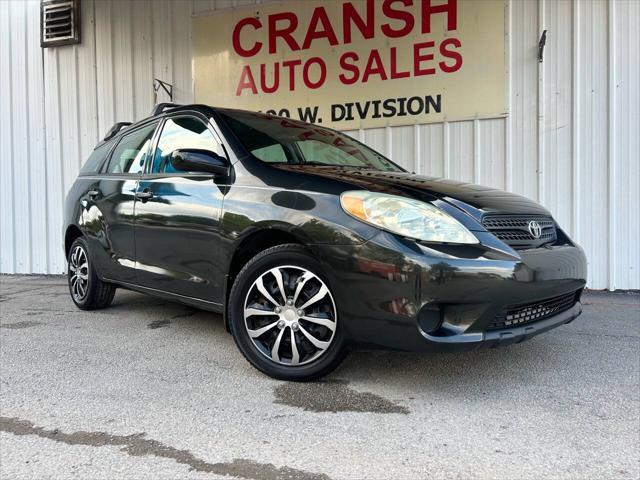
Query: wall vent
point(59, 22)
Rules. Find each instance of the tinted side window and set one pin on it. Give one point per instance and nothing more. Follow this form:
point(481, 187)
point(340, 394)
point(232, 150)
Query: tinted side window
point(92, 165)
point(131, 152)
point(271, 154)
point(182, 132)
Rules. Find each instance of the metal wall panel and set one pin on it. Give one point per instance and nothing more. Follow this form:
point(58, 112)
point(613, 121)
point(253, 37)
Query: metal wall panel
point(432, 148)
point(522, 158)
point(624, 147)
point(19, 96)
point(492, 153)
point(592, 125)
point(23, 165)
point(7, 208)
point(556, 112)
point(37, 184)
point(78, 92)
point(570, 140)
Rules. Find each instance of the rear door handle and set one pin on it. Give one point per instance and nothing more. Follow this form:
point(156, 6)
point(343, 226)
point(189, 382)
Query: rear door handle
point(93, 193)
point(145, 194)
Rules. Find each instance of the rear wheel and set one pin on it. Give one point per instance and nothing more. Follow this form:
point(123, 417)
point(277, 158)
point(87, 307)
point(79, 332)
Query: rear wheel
point(87, 291)
point(283, 315)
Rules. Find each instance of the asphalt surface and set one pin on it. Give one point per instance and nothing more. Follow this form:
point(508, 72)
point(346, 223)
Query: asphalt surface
point(150, 389)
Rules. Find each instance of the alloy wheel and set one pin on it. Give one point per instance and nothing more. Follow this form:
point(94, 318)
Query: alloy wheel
point(290, 315)
point(79, 270)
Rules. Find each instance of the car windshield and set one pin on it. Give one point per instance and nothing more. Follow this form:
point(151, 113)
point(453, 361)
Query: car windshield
point(281, 140)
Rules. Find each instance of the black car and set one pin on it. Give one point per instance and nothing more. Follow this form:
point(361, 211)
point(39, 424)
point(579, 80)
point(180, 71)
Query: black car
point(311, 243)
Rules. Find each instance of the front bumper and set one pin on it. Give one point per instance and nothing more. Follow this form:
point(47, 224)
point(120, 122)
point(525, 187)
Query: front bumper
point(383, 288)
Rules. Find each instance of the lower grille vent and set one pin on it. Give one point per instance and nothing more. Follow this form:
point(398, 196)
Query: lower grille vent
point(516, 315)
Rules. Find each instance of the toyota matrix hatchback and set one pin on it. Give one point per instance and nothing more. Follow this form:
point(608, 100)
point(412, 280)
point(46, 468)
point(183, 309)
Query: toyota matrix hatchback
point(311, 243)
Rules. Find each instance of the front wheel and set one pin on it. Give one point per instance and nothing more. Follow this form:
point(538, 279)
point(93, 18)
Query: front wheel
point(87, 291)
point(283, 315)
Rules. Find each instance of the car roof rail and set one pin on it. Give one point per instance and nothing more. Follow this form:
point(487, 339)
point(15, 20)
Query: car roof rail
point(115, 129)
point(161, 107)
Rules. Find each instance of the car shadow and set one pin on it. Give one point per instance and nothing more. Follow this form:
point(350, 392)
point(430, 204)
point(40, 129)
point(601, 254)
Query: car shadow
point(480, 371)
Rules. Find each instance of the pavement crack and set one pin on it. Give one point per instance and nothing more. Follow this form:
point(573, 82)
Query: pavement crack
point(136, 445)
point(19, 325)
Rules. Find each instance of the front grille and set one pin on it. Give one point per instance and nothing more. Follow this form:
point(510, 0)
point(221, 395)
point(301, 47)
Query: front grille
point(515, 315)
point(514, 229)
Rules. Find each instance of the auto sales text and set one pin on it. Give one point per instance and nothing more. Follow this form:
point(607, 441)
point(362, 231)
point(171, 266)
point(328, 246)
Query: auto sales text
point(282, 33)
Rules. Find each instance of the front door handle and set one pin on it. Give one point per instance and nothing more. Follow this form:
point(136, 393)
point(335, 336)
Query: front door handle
point(144, 195)
point(93, 193)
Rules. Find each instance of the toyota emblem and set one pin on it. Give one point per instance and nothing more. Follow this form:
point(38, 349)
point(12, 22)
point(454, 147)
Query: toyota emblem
point(534, 229)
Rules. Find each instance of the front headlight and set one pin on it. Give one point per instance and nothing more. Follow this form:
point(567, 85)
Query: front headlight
point(406, 217)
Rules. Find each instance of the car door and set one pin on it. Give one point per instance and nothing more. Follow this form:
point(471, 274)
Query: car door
point(110, 205)
point(177, 216)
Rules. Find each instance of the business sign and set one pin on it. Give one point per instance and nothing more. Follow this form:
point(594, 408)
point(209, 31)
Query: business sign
point(355, 63)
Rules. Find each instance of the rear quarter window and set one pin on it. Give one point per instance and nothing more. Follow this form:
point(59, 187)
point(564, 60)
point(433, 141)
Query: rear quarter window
point(130, 154)
point(93, 163)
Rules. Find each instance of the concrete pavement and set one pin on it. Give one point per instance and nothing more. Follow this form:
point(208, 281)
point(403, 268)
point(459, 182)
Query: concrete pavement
point(150, 389)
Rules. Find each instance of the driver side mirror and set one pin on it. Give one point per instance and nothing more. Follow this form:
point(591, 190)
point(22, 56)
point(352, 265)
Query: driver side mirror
point(194, 160)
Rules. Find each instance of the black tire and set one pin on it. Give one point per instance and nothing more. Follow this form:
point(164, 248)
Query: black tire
point(295, 256)
point(96, 294)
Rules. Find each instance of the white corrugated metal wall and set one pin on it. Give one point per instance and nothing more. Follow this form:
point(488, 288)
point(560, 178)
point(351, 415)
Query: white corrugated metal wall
point(570, 140)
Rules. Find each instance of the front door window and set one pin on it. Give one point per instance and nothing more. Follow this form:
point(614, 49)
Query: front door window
point(182, 133)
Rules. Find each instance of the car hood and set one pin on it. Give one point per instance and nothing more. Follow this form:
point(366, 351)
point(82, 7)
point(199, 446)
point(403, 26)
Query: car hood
point(475, 200)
